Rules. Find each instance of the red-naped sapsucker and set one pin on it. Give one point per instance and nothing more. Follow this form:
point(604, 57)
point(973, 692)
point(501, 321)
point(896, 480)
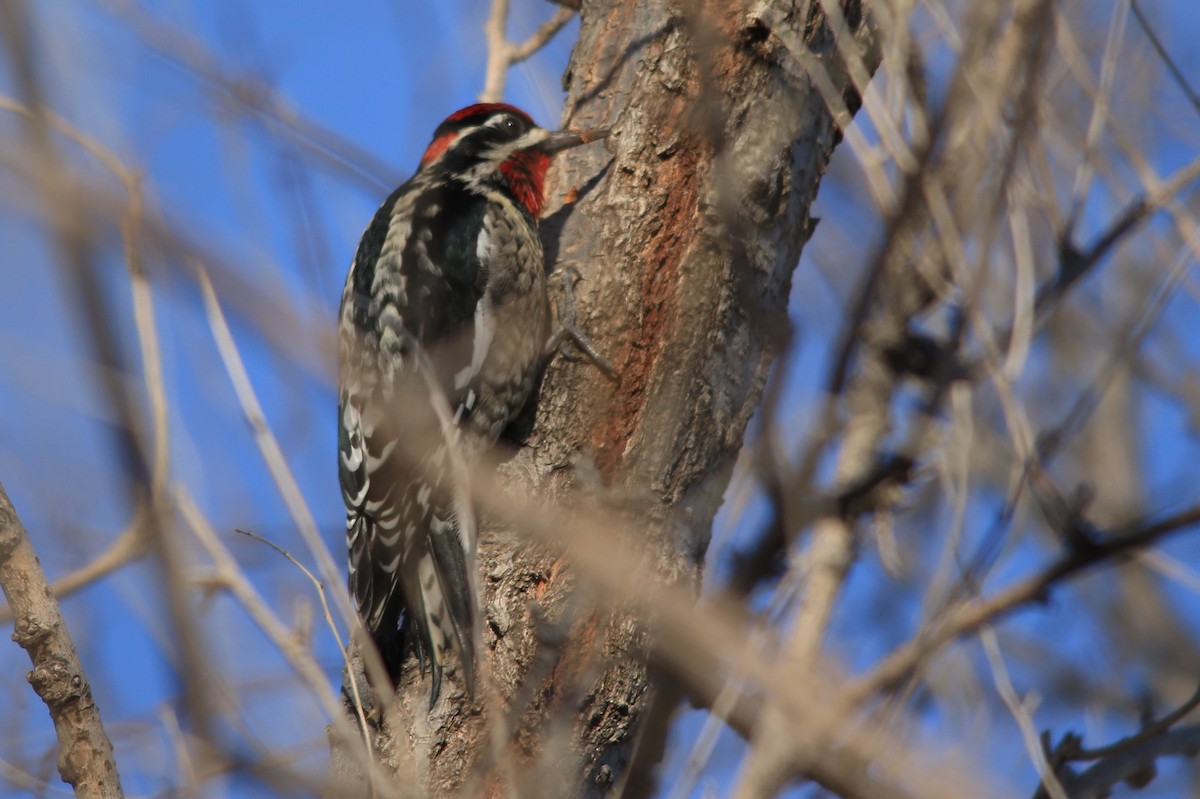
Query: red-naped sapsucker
point(443, 326)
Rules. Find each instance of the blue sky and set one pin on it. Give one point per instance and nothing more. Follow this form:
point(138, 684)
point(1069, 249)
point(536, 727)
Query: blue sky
point(284, 223)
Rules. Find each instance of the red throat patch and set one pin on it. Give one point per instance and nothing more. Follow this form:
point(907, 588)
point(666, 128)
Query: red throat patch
point(526, 175)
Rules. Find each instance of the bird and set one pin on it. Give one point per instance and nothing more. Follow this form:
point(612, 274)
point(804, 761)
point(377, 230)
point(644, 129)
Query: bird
point(443, 328)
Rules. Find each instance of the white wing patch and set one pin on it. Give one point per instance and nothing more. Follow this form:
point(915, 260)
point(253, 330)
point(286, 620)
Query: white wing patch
point(485, 331)
point(485, 321)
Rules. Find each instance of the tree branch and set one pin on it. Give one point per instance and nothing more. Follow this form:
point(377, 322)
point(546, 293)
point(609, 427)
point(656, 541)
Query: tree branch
point(1133, 764)
point(503, 54)
point(970, 616)
point(85, 758)
point(256, 98)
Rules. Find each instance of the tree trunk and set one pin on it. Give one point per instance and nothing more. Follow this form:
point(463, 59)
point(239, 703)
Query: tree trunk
point(686, 229)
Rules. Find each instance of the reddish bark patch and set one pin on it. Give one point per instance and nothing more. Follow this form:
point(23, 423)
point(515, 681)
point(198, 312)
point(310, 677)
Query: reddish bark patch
point(545, 581)
point(496, 786)
point(661, 261)
point(576, 659)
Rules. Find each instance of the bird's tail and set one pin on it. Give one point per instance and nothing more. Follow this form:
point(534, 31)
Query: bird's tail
point(431, 607)
point(452, 550)
point(442, 614)
point(446, 570)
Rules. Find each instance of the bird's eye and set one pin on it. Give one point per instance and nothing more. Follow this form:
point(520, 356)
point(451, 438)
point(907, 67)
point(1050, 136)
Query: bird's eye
point(510, 126)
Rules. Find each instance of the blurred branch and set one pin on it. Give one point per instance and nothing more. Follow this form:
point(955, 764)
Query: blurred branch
point(1129, 339)
point(189, 784)
point(1079, 64)
point(1101, 101)
point(1130, 760)
point(90, 144)
point(268, 445)
point(890, 297)
point(503, 54)
point(255, 97)
point(1074, 263)
point(20, 778)
point(1021, 713)
point(1151, 729)
point(276, 315)
point(1133, 765)
point(73, 237)
point(1176, 73)
point(128, 546)
point(229, 576)
point(76, 241)
point(701, 645)
point(132, 542)
point(333, 628)
point(85, 758)
point(972, 615)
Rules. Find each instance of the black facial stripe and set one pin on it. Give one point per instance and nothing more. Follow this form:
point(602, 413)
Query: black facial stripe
point(502, 126)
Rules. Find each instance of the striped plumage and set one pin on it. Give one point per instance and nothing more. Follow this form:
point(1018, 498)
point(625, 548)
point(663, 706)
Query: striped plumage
point(443, 322)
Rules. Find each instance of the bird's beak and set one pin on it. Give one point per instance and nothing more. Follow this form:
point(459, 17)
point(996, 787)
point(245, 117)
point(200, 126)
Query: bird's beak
point(561, 140)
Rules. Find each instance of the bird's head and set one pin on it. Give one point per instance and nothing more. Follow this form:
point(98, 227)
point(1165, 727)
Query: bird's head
point(499, 145)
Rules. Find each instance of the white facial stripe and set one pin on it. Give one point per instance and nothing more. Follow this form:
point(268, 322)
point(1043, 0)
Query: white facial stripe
point(467, 131)
point(501, 152)
point(534, 136)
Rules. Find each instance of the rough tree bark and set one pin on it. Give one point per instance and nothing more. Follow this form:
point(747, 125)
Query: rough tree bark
point(686, 231)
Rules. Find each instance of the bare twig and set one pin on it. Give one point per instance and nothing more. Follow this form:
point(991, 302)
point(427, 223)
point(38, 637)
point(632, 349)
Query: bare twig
point(258, 99)
point(700, 646)
point(1022, 714)
point(1130, 759)
point(269, 446)
point(1149, 731)
point(128, 546)
point(1083, 176)
point(1133, 764)
point(85, 758)
point(288, 488)
point(333, 628)
point(972, 615)
point(230, 576)
point(503, 54)
point(132, 542)
point(1176, 73)
point(1075, 264)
